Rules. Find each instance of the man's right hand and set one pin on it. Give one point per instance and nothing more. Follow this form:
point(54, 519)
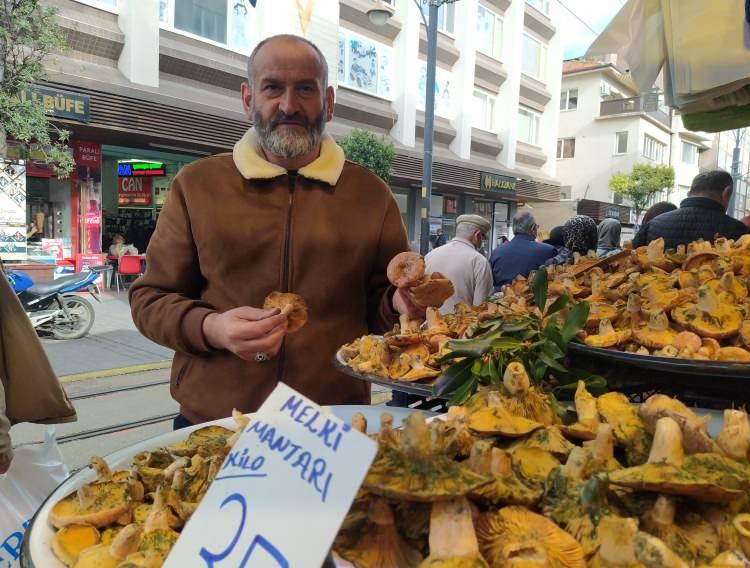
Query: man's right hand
point(246, 331)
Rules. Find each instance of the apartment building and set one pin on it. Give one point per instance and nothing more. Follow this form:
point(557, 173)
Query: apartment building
point(607, 127)
point(160, 84)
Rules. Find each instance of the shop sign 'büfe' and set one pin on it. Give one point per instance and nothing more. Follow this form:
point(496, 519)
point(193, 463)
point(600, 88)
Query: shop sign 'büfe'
point(282, 493)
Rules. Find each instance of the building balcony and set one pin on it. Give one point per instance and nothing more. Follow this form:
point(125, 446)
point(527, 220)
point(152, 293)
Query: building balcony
point(647, 105)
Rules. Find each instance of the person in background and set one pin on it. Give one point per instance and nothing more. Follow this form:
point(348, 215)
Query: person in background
point(701, 216)
point(579, 235)
point(521, 255)
point(118, 243)
point(556, 238)
point(657, 209)
point(503, 240)
point(460, 262)
point(745, 220)
point(609, 237)
point(439, 239)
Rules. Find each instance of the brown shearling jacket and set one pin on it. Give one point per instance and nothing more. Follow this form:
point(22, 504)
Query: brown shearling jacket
point(235, 228)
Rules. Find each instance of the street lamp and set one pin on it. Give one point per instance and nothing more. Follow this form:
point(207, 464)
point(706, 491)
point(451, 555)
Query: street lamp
point(379, 15)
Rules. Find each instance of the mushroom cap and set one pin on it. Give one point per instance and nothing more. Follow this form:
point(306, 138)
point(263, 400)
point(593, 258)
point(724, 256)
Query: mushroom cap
point(433, 292)
point(108, 502)
point(499, 421)
point(513, 534)
point(627, 426)
point(406, 270)
point(292, 305)
point(69, 541)
point(550, 439)
point(206, 438)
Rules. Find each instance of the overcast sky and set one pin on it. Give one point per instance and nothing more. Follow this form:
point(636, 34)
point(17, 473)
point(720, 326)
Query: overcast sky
point(576, 37)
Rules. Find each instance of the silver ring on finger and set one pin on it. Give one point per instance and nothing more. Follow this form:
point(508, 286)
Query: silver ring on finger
point(261, 357)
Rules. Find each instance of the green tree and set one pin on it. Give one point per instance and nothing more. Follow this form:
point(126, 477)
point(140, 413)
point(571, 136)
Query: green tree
point(28, 34)
point(642, 183)
point(373, 152)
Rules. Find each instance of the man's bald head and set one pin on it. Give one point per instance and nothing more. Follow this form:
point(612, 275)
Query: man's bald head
point(288, 38)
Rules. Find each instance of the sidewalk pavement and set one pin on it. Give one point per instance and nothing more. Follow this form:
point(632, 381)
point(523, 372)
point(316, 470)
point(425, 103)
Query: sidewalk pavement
point(113, 343)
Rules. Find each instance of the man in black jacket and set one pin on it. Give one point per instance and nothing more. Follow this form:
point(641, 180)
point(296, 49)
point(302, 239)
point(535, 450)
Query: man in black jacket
point(701, 216)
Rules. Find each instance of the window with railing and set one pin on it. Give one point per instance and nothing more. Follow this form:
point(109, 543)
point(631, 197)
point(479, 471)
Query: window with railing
point(533, 57)
point(566, 148)
point(653, 149)
point(569, 99)
point(489, 32)
point(364, 64)
point(689, 153)
point(483, 113)
point(541, 5)
point(528, 125)
point(224, 22)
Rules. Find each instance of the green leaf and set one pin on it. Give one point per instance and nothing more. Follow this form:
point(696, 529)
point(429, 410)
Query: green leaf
point(552, 350)
point(538, 370)
point(553, 334)
point(516, 325)
point(557, 305)
point(506, 343)
point(564, 412)
point(453, 377)
point(494, 372)
point(462, 393)
point(539, 288)
point(594, 383)
point(575, 321)
point(471, 347)
point(551, 363)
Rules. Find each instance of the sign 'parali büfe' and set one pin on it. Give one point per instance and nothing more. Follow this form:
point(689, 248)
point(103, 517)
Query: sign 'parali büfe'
point(282, 493)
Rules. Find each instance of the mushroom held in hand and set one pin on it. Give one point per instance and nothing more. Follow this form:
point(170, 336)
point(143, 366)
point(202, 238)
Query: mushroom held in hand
point(291, 305)
point(406, 271)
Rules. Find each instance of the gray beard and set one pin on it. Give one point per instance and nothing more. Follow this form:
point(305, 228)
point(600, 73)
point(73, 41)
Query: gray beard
point(289, 144)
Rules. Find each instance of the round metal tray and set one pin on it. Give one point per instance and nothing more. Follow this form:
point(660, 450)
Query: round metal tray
point(420, 389)
point(665, 364)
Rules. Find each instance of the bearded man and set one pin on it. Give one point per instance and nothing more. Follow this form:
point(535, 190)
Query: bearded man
point(284, 211)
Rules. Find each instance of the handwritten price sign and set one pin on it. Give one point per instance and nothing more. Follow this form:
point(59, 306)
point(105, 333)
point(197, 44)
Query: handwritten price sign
point(282, 493)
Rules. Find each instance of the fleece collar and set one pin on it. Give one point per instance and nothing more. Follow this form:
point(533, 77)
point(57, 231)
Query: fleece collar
point(252, 165)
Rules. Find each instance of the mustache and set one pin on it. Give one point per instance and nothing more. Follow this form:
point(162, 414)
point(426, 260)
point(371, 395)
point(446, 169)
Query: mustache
point(282, 118)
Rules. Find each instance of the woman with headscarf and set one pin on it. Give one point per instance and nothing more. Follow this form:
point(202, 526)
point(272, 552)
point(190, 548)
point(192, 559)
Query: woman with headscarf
point(609, 237)
point(579, 235)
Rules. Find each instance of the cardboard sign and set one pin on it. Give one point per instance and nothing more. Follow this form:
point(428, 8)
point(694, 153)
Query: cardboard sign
point(282, 493)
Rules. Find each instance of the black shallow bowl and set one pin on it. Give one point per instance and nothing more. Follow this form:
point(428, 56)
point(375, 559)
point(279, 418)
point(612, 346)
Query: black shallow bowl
point(401, 386)
point(665, 364)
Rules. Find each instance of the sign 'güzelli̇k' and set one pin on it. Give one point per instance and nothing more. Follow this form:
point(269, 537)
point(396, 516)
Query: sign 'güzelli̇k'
point(496, 182)
point(282, 492)
point(60, 104)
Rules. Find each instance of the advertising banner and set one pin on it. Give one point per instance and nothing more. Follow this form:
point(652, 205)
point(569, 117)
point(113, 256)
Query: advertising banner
point(134, 190)
point(12, 211)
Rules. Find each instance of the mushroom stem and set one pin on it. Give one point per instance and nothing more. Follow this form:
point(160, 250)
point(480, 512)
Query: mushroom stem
point(667, 446)
point(653, 553)
point(103, 473)
point(480, 459)
point(359, 422)
point(126, 542)
point(417, 440)
point(387, 434)
point(174, 466)
point(452, 530)
point(501, 464)
point(616, 549)
point(734, 438)
point(603, 446)
point(85, 496)
point(661, 516)
point(741, 524)
point(585, 405)
point(516, 379)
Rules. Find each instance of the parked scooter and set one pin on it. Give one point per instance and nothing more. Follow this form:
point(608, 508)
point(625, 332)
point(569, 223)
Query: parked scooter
point(52, 306)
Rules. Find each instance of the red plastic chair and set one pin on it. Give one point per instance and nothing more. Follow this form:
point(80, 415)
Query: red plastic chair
point(129, 265)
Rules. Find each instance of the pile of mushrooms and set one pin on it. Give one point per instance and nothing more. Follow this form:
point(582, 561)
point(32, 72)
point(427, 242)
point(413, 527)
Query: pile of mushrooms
point(500, 482)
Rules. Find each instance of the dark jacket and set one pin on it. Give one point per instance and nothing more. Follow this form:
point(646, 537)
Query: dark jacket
point(520, 256)
point(234, 229)
point(697, 218)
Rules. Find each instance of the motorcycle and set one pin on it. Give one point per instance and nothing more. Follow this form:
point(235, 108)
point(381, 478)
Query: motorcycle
point(53, 308)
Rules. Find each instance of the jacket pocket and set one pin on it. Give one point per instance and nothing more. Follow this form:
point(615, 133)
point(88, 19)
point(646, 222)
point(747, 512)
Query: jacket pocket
point(180, 367)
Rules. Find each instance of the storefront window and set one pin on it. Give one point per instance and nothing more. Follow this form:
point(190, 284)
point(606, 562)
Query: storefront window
point(443, 91)
point(501, 223)
point(364, 64)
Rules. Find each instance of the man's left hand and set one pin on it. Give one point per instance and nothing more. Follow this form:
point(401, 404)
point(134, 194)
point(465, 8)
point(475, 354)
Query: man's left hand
point(403, 303)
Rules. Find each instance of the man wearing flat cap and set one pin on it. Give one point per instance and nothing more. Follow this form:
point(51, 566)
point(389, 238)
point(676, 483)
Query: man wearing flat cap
point(460, 262)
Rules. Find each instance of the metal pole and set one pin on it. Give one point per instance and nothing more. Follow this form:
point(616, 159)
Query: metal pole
point(429, 120)
point(735, 177)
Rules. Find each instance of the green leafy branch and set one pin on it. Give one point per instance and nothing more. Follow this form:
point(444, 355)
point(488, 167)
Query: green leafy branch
point(540, 342)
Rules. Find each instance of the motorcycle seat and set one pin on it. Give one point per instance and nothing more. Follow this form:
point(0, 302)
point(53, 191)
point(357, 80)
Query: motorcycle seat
point(53, 286)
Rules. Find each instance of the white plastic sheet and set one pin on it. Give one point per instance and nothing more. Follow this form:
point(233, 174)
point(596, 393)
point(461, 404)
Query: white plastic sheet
point(35, 472)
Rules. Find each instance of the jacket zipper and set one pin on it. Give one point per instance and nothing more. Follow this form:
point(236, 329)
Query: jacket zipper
point(286, 274)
